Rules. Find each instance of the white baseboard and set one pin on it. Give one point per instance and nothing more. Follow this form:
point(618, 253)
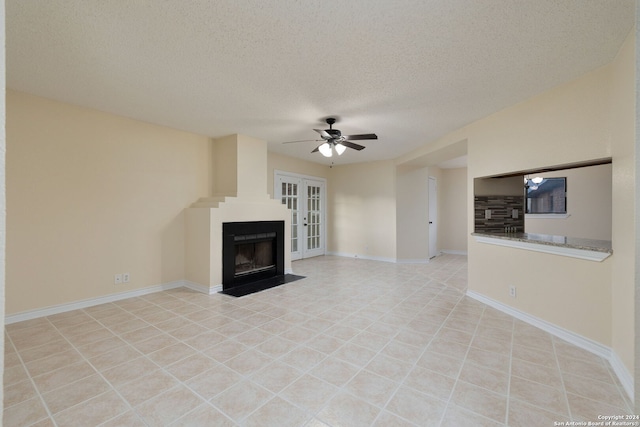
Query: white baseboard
point(62, 308)
point(358, 256)
point(56, 309)
point(209, 290)
point(623, 374)
point(453, 252)
point(394, 260)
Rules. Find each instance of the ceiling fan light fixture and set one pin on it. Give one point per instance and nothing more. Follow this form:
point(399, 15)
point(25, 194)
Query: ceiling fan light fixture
point(325, 150)
point(333, 138)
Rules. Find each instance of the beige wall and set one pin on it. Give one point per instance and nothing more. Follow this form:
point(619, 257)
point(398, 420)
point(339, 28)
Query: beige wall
point(548, 129)
point(251, 167)
point(571, 293)
point(588, 205)
point(90, 195)
point(411, 206)
point(2, 194)
point(452, 204)
point(623, 144)
point(290, 164)
point(239, 166)
point(361, 217)
point(362, 210)
point(626, 294)
point(585, 119)
point(224, 156)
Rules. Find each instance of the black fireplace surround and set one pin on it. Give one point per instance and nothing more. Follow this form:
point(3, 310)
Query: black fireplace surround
point(251, 252)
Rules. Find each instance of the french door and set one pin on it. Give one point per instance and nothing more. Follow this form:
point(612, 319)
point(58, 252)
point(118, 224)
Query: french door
point(305, 197)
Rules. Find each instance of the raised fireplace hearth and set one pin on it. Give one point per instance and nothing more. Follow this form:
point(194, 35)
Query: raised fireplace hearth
point(251, 252)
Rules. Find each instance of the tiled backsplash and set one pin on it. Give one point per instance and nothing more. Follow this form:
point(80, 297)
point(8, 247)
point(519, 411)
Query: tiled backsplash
point(501, 208)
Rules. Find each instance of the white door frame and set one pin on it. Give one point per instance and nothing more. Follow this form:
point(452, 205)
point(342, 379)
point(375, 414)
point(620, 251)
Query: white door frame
point(433, 216)
point(304, 180)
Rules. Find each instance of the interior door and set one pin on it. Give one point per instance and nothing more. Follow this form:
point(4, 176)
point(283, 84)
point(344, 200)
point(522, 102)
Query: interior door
point(313, 225)
point(433, 217)
point(305, 197)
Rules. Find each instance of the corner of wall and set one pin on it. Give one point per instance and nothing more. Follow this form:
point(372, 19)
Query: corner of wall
point(3, 203)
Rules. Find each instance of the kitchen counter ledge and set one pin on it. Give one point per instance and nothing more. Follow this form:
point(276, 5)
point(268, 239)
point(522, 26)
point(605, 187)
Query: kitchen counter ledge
point(588, 249)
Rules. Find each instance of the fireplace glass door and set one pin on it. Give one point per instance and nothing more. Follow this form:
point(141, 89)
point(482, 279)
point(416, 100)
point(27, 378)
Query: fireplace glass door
point(252, 251)
point(254, 257)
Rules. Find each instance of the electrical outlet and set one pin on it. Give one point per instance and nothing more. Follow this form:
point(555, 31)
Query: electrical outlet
point(117, 279)
point(126, 277)
point(512, 291)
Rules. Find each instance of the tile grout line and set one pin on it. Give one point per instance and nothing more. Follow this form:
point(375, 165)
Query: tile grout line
point(97, 371)
point(163, 368)
point(141, 355)
point(564, 388)
point(184, 384)
point(244, 376)
point(513, 339)
point(33, 384)
point(205, 401)
point(342, 388)
point(378, 353)
point(560, 371)
point(133, 408)
point(356, 300)
point(442, 325)
point(621, 391)
point(400, 383)
point(457, 379)
point(163, 331)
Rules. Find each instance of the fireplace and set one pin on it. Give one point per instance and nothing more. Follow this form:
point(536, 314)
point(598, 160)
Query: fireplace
point(251, 251)
point(254, 254)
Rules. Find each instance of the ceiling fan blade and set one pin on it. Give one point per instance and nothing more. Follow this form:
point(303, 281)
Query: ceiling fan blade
point(323, 134)
point(362, 136)
point(352, 145)
point(302, 140)
point(315, 150)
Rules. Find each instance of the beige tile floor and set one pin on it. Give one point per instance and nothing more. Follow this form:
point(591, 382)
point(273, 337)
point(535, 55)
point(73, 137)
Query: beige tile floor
point(356, 343)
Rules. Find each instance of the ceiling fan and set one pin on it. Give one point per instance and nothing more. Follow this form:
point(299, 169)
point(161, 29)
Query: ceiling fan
point(334, 139)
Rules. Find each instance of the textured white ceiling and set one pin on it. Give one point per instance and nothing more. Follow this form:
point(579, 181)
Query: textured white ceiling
point(408, 70)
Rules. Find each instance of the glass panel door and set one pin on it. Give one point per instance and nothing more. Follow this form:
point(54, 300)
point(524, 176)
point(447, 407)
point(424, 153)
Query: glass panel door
point(290, 196)
point(315, 225)
point(305, 198)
